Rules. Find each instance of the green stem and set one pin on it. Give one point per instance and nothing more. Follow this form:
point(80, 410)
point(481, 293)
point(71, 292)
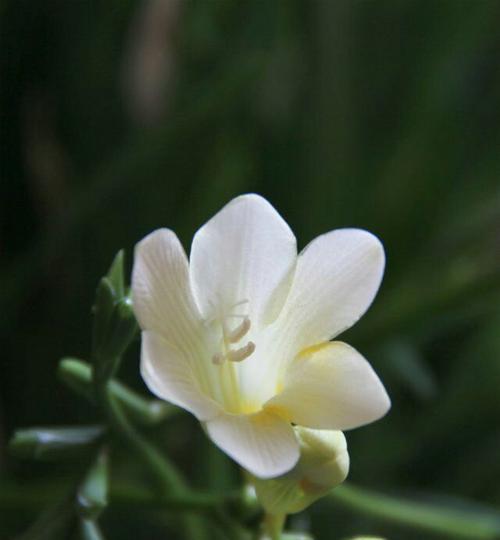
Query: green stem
point(272, 526)
point(453, 522)
point(164, 474)
point(14, 497)
point(78, 375)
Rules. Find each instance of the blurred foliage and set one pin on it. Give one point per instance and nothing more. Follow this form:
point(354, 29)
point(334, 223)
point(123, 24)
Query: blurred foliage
point(119, 117)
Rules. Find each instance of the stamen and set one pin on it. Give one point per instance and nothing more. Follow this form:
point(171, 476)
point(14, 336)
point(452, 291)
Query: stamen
point(240, 354)
point(241, 330)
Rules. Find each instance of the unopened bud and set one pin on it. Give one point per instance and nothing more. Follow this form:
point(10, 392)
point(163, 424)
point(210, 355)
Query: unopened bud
point(323, 464)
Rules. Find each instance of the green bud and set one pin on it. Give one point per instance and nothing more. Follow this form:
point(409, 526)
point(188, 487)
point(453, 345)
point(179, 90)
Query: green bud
point(116, 274)
point(92, 496)
point(104, 304)
point(77, 375)
point(122, 329)
point(114, 322)
point(323, 464)
point(52, 444)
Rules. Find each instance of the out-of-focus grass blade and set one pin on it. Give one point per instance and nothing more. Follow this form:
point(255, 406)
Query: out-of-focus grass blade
point(408, 366)
point(448, 520)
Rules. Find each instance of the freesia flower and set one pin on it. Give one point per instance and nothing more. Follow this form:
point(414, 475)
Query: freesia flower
point(240, 335)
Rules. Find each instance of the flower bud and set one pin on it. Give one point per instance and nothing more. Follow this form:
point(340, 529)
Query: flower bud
point(53, 444)
point(323, 464)
point(114, 322)
point(77, 375)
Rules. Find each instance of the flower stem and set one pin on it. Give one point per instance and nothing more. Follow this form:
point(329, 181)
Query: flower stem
point(165, 475)
point(163, 472)
point(33, 497)
point(272, 526)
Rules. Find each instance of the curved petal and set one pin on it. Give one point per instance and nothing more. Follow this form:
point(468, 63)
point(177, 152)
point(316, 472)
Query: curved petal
point(263, 443)
point(245, 252)
point(161, 292)
point(331, 386)
point(168, 374)
point(336, 279)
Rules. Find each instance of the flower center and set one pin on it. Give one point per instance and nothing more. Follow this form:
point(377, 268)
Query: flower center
point(232, 336)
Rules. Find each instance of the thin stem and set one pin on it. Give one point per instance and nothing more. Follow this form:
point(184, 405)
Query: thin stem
point(163, 472)
point(272, 526)
point(450, 521)
point(165, 475)
point(32, 497)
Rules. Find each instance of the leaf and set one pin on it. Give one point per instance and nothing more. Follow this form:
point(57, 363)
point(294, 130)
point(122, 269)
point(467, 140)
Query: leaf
point(464, 522)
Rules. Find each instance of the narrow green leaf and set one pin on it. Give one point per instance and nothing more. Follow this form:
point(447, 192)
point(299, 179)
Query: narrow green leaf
point(92, 495)
point(52, 444)
point(436, 518)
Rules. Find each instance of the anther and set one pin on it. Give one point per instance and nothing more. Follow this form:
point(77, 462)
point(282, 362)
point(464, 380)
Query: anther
point(241, 330)
point(240, 354)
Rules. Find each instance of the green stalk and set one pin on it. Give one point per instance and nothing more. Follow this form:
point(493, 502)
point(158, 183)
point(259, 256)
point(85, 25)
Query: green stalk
point(32, 498)
point(77, 375)
point(165, 475)
point(272, 526)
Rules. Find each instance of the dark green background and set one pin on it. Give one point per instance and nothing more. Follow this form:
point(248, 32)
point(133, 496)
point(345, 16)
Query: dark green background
point(375, 114)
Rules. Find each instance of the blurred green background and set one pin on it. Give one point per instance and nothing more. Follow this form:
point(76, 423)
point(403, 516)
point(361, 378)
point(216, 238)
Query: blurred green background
point(123, 116)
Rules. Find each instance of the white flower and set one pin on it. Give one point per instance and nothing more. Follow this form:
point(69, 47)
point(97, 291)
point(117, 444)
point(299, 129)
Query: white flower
point(239, 336)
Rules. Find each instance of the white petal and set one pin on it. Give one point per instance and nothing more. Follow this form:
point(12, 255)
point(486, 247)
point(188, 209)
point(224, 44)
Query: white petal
point(245, 252)
point(336, 279)
point(161, 292)
point(331, 386)
point(169, 375)
point(263, 443)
